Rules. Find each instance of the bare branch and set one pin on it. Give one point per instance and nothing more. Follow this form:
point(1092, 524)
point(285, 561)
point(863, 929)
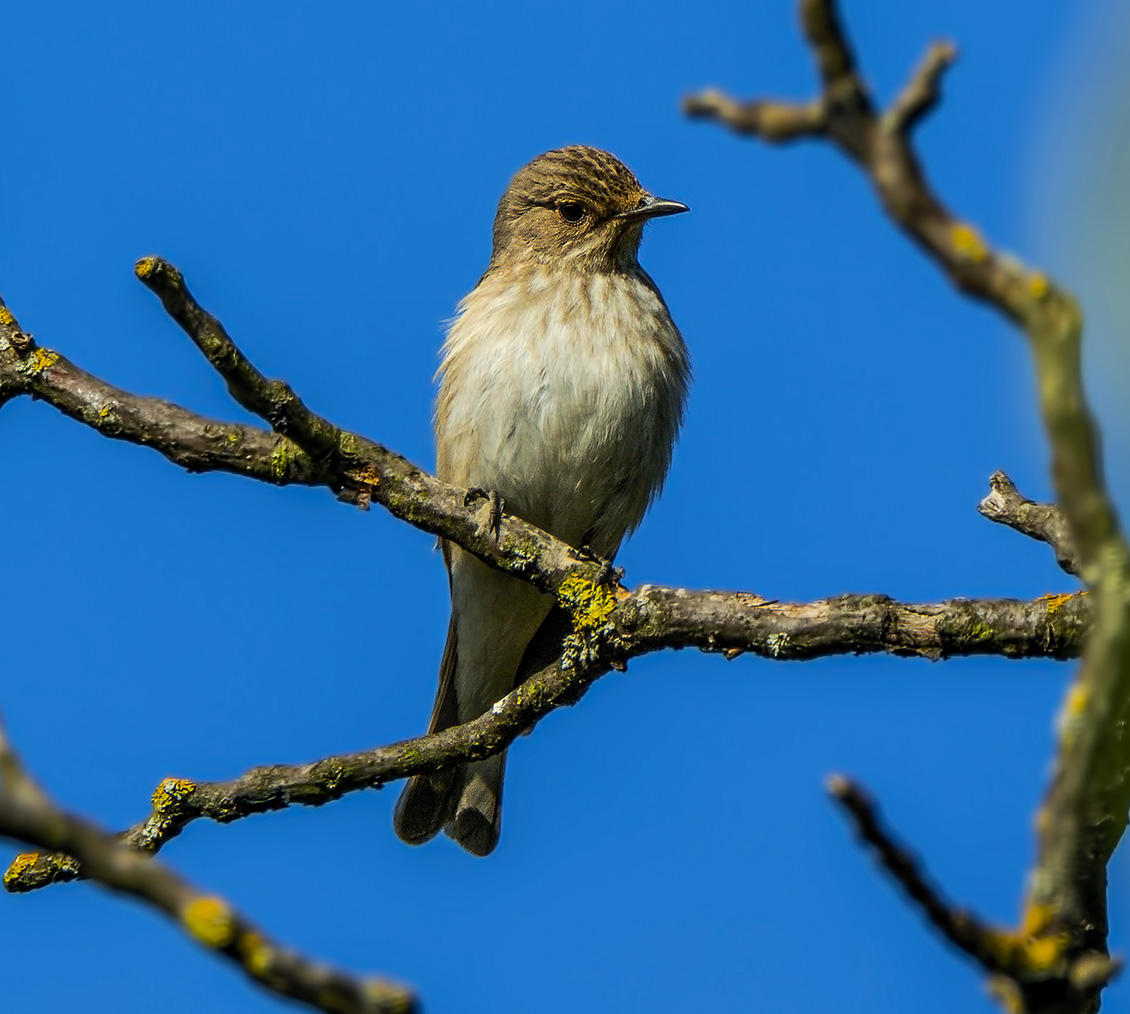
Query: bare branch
point(1026, 965)
point(922, 92)
point(960, 928)
point(271, 400)
point(1043, 521)
point(610, 624)
point(1055, 962)
point(192, 441)
point(1085, 813)
point(28, 815)
point(647, 620)
point(654, 617)
point(773, 121)
point(305, 449)
point(843, 86)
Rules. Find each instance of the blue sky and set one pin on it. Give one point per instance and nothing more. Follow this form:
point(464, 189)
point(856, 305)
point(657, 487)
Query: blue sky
point(326, 179)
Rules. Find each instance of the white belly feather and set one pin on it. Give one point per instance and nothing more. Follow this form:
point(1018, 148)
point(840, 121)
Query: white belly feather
point(564, 398)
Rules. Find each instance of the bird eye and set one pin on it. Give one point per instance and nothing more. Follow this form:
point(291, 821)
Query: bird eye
point(571, 211)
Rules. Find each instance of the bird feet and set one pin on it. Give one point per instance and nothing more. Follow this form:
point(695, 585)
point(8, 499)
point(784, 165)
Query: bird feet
point(608, 574)
point(495, 506)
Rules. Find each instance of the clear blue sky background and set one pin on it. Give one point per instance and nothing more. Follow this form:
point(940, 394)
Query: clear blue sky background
point(326, 178)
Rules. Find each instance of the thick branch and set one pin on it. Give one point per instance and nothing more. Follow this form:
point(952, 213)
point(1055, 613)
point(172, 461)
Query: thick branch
point(654, 617)
point(649, 619)
point(1043, 521)
point(28, 815)
point(1085, 813)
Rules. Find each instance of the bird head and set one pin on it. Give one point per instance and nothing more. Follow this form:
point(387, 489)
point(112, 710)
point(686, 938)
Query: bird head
point(575, 206)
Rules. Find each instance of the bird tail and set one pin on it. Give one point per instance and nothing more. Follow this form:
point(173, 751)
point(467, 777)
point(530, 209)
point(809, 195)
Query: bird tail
point(477, 818)
point(465, 800)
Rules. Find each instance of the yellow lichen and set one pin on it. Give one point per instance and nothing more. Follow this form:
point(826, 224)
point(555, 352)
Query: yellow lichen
point(1037, 918)
point(6, 318)
point(149, 266)
point(1037, 947)
point(981, 631)
point(1045, 953)
point(1038, 284)
point(968, 243)
point(171, 793)
point(257, 954)
point(591, 604)
point(23, 862)
point(210, 920)
point(39, 360)
point(366, 476)
point(1054, 600)
point(1076, 701)
point(280, 460)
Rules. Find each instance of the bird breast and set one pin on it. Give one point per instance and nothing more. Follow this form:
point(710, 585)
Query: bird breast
point(563, 391)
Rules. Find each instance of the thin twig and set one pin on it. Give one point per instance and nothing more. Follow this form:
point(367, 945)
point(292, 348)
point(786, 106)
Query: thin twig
point(922, 92)
point(774, 121)
point(1040, 964)
point(1042, 521)
point(960, 928)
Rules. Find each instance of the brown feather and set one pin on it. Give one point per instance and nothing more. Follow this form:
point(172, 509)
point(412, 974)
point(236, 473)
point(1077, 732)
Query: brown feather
point(427, 801)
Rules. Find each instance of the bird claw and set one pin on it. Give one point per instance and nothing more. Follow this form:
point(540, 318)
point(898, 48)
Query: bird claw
point(608, 574)
point(495, 505)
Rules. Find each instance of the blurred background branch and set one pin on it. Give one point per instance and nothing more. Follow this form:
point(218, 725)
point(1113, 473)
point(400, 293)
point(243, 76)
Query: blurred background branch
point(1063, 962)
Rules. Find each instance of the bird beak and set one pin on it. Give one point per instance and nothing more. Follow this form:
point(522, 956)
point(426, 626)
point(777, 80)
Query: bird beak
point(653, 207)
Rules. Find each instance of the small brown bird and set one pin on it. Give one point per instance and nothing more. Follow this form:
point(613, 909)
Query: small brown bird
point(562, 385)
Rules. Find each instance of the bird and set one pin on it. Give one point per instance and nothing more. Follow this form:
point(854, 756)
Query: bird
point(562, 388)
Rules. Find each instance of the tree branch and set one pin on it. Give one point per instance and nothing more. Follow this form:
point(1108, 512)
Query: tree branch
point(654, 617)
point(27, 814)
point(1085, 812)
point(304, 449)
point(192, 441)
point(1043, 521)
point(1011, 957)
point(647, 620)
point(610, 625)
point(308, 449)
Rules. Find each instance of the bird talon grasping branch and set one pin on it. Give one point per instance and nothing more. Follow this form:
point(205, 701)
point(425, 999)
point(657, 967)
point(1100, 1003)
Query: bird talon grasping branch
point(496, 506)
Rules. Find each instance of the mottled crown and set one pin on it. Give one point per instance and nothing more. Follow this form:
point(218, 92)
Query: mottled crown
point(565, 202)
